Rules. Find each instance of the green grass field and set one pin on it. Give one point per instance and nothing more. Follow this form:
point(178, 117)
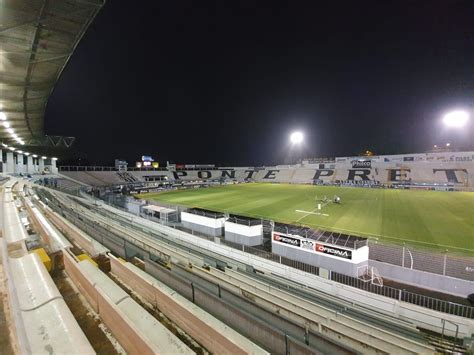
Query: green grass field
point(432, 219)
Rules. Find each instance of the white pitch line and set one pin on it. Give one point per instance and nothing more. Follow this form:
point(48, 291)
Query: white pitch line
point(309, 212)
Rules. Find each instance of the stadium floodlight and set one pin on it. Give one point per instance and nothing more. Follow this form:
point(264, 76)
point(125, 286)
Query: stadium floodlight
point(296, 137)
point(3, 117)
point(448, 144)
point(456, 119)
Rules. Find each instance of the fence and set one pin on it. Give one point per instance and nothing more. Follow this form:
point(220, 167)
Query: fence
point(436, 304)
point(387, 291)
point(446, 264)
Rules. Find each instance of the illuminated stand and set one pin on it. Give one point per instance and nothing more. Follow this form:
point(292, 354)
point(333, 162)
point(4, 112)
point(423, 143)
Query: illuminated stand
point(19, 162)
point(204, 222)
point(337, 252)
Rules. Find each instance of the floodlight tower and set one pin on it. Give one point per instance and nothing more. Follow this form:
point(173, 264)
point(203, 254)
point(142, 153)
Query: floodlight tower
point(296, 140)
point(458, 120)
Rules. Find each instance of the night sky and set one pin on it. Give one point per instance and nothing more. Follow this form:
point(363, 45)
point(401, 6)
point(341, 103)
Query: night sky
point(225, 82)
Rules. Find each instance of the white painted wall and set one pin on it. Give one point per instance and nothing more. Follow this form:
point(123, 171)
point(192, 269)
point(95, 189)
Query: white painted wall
point(202, 220)
point(249, 231)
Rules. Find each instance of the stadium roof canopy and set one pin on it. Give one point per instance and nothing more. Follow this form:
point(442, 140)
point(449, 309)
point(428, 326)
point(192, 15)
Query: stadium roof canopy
point(37, 38)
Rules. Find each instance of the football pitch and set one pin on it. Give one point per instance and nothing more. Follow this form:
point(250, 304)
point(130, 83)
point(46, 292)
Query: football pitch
point(432, 219)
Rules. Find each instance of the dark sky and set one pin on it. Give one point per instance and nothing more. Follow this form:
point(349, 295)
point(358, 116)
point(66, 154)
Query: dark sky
point(225, 82)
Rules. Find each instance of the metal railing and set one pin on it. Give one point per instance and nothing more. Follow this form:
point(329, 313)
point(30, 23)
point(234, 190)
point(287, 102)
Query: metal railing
point(443, 306)
point(447, 263)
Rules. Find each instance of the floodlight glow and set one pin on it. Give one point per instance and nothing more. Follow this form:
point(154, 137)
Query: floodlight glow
point(20, 152)
point(10, 130)
point(26, 153)
point(35, 156)
point(456, 119)
point(6, 124)
point(296, 137)
point(11, 148)
point(55, 158)
point(448, 144)
point(3, 117)
point(44, 157)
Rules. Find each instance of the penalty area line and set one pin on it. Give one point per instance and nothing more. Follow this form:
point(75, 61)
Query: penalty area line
point(310, 212)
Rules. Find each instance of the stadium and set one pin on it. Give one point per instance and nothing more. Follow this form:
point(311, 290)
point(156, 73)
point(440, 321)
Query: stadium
point(353, 254)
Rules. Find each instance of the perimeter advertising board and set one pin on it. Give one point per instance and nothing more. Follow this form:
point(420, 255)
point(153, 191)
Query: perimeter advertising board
point(312, 246)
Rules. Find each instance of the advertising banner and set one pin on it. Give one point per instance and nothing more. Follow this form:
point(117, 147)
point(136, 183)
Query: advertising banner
point(313, 246)
point(364, 164)
point(341, 253)
point(286, 240)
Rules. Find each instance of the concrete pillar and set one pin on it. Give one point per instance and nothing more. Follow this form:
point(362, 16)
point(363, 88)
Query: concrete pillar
point(20, 168)
point(35, 165)
point(29, 165)
point(54, 169)
point(10, 168)
point(41, 164)
point(2, 168)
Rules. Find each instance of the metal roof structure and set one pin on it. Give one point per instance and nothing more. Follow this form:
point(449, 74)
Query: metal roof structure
point(37, 38)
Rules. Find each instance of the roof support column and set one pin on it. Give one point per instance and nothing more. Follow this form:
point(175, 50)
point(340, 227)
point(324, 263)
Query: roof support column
point(10, 163)
point(20, 167)
point(41, 164)
point(54, 169)
point(29, 165)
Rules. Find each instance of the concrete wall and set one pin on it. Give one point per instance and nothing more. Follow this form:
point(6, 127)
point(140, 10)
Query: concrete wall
point(213, 227)
point(450, 285)
point(207, 330)
point(243, 239)
point(243, 234)
point(112, 308)
point(210, 231)
point(333, 264)
point(247, 318)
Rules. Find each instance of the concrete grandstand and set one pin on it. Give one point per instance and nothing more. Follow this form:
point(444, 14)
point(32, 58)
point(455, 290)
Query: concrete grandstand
point(81, 276)
point(441, 170)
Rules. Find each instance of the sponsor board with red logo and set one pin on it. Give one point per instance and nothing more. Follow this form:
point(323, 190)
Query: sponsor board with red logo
point(312, 246)
point(340, 253)
point(287, 240)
